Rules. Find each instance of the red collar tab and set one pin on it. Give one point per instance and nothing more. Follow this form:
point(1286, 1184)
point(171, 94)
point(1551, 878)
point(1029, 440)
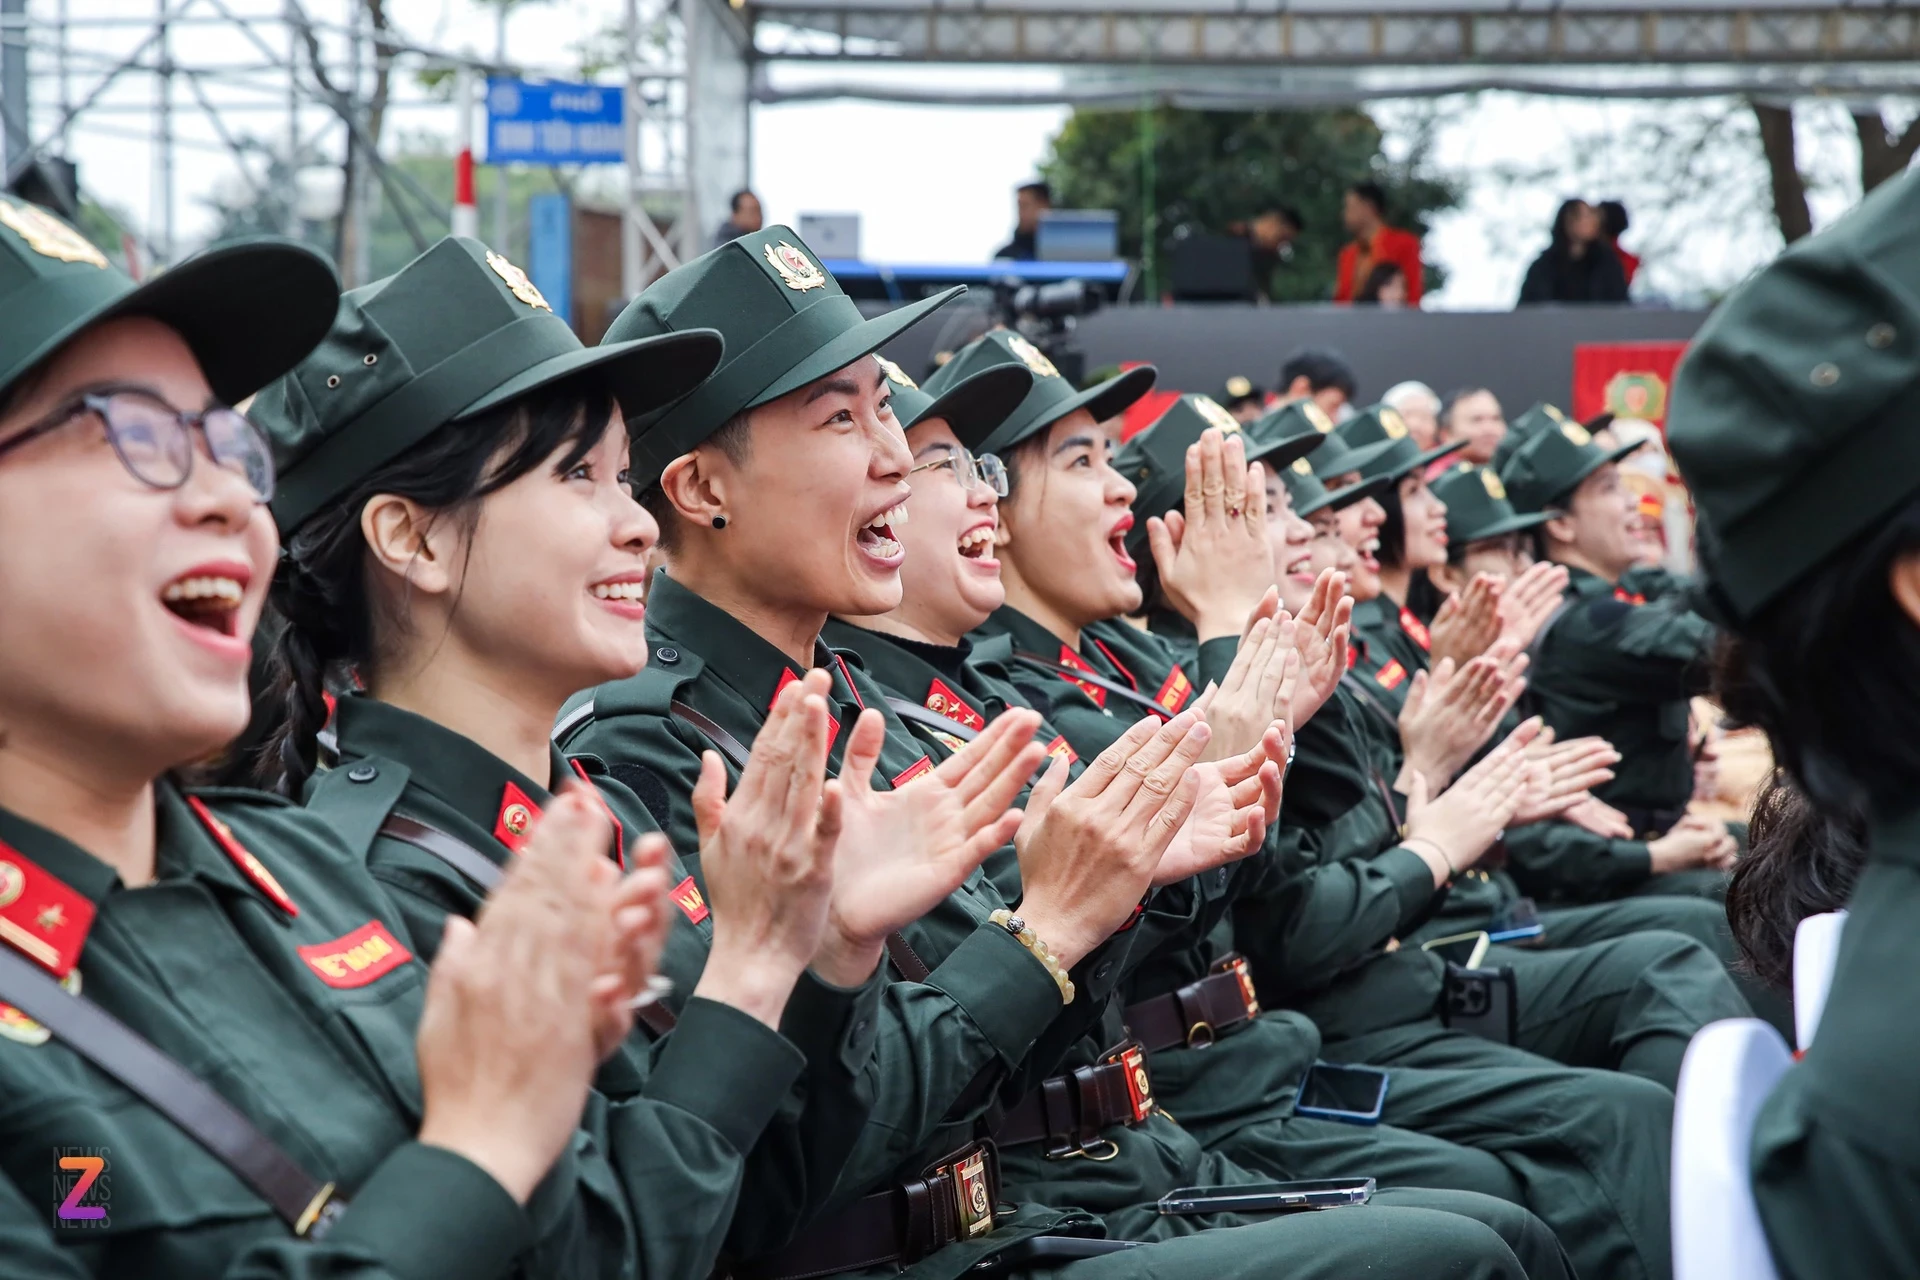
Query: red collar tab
point(1417, 629)
point(1353, 653)
point(1118, 665)
point(1068, 658)
point(686, 896)
point(1625, 596)
point(518, 813)
point(943, 701)
point(912, 771)
point(40, 916)
point(368, 953)
point(1060, 747)
point(619, 836)
point(1390, 676)
point(833, 722)
point(1174, 693)
point(254, 869)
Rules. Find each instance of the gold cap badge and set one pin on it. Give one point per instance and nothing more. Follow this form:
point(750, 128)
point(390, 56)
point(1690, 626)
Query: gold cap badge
point(1553, 413)
point(1031, 356)
point(1495, 490)
point(517, 281)
point(797, 271)
point(49, 237)
point(1576, 433)
point(1393, 424)
point(1302, 467)
point(1216, 416)
point(1239, 385)
point(1317, 416)
point(895, 372)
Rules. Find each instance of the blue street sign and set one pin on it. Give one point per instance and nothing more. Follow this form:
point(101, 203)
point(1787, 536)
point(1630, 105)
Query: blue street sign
point(555, 123)
point(550, 250)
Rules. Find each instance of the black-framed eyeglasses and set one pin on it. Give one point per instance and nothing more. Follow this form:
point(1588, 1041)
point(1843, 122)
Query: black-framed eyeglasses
point(983, 470)
point(154, 440)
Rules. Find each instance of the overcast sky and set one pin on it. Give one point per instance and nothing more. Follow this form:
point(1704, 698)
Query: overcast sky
point(931, 183)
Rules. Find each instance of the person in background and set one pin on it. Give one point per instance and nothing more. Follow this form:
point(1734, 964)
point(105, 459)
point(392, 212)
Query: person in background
point(1320, 373)
point(1271, 232)
point(1030, 200)
point(743, 219)
point(1386, 286)
point(1374, 242)
point(1577, 266)
point(1419, 408)
point(1245, 401)
point(1472, 414)
point(1613, 224)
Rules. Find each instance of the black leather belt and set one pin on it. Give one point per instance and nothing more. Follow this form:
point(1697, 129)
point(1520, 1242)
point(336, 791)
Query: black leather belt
point(952, 1201)
point(1069, 1112)
point(1197, 1013)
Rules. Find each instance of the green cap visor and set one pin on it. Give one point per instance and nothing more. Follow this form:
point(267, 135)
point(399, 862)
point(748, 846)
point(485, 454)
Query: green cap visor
point(972, 408)
point(1052, 397)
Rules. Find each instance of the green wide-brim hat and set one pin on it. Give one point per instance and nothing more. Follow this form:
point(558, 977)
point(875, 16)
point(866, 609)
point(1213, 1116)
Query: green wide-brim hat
point(1280, 438)
point(786, 320)
point(1550, 465)
point(1155, 460)
point(972, 408)
point(454, 333)
point(1380, 426)
point(1335, 457)
point(1541, 417)
point(1052, 396)
point(1794, 410)
point(1477, 506)
point(247, 309)
point(1309, 493)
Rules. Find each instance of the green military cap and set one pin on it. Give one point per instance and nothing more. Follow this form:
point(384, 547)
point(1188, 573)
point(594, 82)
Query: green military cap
point(1477, 505)
point(1552, 463)
point(972, 407)
point(1541, 417)
point(786, 320)
point(1240, 387)
point(1155, 460)
point(1793, 411)
point(248, 309)
point(1288, 433)
point(1309, 493)
point(1336, 457)
point(1381, 426)
point(454, 333)
point(1052, 396)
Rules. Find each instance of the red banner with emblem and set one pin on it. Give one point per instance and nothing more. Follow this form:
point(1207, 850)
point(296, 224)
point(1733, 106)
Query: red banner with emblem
point(1626, 379)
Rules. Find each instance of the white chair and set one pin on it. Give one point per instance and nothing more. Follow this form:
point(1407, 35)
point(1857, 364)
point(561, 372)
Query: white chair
point(1816, 946)
point(1729, 1070)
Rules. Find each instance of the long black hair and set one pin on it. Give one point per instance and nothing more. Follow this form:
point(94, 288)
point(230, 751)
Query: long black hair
point(1802, 859)
point(325, 612)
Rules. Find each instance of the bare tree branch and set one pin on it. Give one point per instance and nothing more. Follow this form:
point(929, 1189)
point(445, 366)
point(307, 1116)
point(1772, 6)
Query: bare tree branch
point(1789, 187)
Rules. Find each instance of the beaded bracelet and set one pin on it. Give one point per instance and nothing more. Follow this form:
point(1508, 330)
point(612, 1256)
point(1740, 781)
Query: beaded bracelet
point(1014, 925)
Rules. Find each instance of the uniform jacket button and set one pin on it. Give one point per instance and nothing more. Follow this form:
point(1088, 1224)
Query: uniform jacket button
point(668, 654)
point(363, 773)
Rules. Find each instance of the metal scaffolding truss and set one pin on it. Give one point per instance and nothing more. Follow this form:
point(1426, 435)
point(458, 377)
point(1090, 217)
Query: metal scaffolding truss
point(1359, 34)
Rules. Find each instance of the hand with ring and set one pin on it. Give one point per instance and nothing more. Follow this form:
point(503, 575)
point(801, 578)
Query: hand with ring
point(1214, 558)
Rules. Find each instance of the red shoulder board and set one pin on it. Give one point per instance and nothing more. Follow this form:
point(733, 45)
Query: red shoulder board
point(912, 771)
point(518, 813)
point(366, 954)
point(1353, 654)
point(945, 702)
point(255, 870)
point(1390, 676)
point(619, 837)
point(1174, 693)
point(1060, 747)
point(686, 896)
point(1625, 596)
point(833, 722)
point(1068, 658)
point(1417, 629)
point(40, 916)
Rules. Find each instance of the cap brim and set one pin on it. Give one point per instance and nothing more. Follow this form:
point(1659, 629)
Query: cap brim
point(643, 374)
point(1420, 461)
point(1109, 399)
point(1357, 459)
point(1341, 499)
point(249, 311)
point(862, 339)
point(976, 406)
point(1284, 453)
point(1513, 524)
point(1613, 455)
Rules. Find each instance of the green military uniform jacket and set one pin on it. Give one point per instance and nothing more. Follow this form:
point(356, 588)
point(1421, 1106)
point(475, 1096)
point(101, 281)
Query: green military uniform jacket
point(722, 1073)
point(1622, 665)
point(238, 962)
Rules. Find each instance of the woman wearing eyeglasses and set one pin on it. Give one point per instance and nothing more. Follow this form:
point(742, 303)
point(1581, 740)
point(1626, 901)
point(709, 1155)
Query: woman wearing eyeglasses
point(220, 1051)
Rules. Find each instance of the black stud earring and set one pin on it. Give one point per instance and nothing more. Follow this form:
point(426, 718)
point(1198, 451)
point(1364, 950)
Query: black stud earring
point(719, 522)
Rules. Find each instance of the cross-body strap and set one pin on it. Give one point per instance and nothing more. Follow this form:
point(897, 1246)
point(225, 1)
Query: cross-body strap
point(308, 1205)
point(1098, 681)
point(917, 714)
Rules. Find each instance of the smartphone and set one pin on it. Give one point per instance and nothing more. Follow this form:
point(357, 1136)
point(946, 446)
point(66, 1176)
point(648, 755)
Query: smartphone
point(1517, 924)
point(1352, 1095)
point(1049, 1251)
point(1464, 949)
point(1520, 936)
point(1269, 1197)
point(1482, 1002)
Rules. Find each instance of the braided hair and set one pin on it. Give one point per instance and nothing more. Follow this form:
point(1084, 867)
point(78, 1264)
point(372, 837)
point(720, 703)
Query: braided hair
point(324, 611)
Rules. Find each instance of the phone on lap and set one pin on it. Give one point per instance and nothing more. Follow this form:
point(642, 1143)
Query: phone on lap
point(1351, 1095)
point(1464, 949)
point(1269, 1197)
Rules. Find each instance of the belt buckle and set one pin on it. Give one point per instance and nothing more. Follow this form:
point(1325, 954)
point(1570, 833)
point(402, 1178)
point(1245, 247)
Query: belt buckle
point(1238, 967)
point(1132, 1058)
point(1200, 1035)
point(973, 1179)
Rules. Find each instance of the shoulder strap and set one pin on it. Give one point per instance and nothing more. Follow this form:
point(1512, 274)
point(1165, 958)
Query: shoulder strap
point(917, 714)
point(1359, 690)
point(905, 959)
point(486, 873)
point(1099, 682)
point(729, 745)
point(307, 1205)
